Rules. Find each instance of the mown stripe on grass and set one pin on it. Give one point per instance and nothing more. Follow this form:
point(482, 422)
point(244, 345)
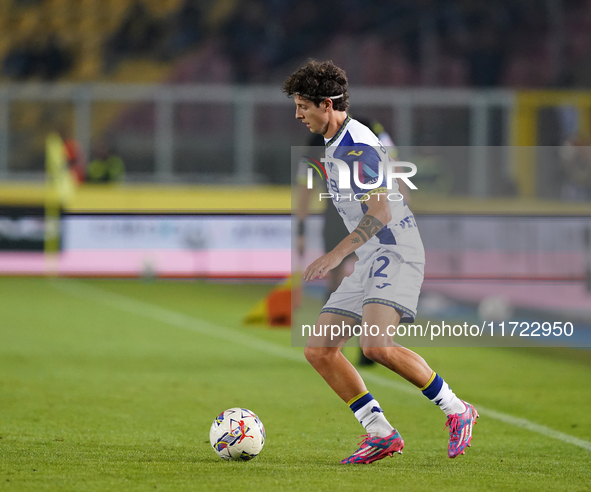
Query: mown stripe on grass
point(168, 316)
point(180, 320)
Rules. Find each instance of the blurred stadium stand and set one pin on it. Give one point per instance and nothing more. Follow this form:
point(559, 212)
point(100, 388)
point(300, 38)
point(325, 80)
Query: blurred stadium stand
point(230, 130)
point(516, 43)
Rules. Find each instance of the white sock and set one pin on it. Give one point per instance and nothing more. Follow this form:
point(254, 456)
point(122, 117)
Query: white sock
point(438, 391)
point(371, 417)
point(448, 401)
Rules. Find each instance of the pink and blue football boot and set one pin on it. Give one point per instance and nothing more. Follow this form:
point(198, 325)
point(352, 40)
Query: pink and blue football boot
point(460, 430)
point(375, 448)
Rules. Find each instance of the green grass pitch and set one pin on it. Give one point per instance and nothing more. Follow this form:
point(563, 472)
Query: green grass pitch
point(113, 385)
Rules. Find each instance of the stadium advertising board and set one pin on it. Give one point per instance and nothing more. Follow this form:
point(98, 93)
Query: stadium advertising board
point(22, 228)
point(165, 245)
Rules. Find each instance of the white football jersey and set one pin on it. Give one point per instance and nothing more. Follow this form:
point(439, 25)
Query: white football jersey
point(356, 142)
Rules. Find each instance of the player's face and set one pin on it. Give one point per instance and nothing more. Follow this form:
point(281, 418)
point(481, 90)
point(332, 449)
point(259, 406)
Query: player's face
point(315, 118)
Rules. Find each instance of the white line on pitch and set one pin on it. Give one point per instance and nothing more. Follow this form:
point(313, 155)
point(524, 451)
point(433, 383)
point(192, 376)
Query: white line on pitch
point(180, 320)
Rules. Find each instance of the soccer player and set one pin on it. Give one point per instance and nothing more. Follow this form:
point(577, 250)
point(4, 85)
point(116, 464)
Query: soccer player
point(333, 230)
point(384, 287)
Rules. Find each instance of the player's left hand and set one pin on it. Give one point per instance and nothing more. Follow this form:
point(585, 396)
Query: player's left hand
point(320, 267)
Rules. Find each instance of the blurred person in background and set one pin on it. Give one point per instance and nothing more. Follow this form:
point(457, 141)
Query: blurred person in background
point(576, 168)
point(137, 35)
point(106, 167)
point(434, 176)
point(486, 56)
point(19, 61)
point(75, 157)
point(53, 59)
point(182, 30)
point(38, 56)
point(246, 35)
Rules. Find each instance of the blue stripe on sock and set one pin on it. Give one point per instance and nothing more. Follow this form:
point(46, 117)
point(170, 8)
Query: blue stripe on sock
point(434, 388)
point(361, 402)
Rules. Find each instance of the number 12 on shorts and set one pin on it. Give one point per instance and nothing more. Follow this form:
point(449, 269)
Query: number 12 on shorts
point(379, 271)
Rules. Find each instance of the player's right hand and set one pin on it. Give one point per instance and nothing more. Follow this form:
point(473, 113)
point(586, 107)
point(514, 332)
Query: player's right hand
point(320, 267)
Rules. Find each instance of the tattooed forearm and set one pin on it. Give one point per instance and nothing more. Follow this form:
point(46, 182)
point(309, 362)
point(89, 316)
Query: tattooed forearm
point(367, 228)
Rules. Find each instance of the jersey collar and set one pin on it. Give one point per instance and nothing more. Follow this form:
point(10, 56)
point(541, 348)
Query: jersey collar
point(338, 134)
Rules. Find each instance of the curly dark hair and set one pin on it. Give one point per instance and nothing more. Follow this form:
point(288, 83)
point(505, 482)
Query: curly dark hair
point(317, 81)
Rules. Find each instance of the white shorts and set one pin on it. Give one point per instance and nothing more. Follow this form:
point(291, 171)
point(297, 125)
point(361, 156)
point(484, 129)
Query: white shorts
point(383, 278)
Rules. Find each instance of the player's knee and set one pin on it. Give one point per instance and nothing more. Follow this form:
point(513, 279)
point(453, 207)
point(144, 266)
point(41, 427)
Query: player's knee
point(318, 355)
point(374, 353)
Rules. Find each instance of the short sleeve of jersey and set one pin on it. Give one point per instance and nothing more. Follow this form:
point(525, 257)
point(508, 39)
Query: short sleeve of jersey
point(368, 167)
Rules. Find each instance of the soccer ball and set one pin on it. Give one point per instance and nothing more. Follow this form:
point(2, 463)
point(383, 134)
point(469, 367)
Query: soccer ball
point(237, 434)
